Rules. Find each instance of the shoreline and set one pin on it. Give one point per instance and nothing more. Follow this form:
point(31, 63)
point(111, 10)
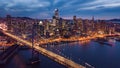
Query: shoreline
point(72, 39)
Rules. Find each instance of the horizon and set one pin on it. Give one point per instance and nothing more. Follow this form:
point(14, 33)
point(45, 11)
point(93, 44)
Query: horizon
point(67, 18)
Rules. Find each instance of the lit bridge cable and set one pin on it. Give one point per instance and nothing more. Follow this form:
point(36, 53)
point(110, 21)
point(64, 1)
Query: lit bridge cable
point(64, 61)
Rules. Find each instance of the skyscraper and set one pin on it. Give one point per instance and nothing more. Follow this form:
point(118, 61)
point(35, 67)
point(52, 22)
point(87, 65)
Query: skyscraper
point(75, 22)
point(93, 24)
point(56, 17)
point(56, 14)
point(54, 21)
point(9, 24)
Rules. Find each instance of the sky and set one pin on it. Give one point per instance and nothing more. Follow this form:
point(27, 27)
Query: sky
point(101, 9)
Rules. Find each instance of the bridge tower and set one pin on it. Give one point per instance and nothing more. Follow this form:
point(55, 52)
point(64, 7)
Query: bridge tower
point(35, 54)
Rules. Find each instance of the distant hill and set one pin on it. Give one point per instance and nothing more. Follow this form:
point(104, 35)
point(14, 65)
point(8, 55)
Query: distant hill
point(114, 20)
point(23, 17)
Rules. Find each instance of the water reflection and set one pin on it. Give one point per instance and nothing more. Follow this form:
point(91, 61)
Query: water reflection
point(91, 52)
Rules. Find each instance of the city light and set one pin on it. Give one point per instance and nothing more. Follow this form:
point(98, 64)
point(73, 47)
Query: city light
point(3, 26)
point(43, 35)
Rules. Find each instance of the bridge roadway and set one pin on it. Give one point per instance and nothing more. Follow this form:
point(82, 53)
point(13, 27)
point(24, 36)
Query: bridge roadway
point(64, 61)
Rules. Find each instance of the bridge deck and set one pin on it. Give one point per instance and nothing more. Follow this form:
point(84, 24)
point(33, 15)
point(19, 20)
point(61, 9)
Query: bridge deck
point(55, 57)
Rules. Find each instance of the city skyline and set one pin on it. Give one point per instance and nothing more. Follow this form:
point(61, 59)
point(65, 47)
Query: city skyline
point(59, 34)
point(100, 9)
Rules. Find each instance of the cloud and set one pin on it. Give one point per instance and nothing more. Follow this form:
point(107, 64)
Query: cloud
point(45, 8)
point(56, 1)
point(24, 5)
point(99, 4)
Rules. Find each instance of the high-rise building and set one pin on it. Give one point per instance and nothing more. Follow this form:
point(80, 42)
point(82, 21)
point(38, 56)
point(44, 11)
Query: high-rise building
point(9, 20)
point(56, 18)
point(54, 21)
point(60, 26)
point(79, 26)
point(93, 24)
point(56, 14)
point(74, 18)
point(86, 28)
point(75, 23)
point(41, 28)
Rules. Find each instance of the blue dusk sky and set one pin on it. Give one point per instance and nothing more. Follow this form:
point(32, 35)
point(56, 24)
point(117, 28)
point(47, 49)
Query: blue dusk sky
point(102, 9)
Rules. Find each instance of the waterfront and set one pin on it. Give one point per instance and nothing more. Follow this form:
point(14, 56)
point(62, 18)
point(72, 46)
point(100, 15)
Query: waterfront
point(93, 53)
point(97, 55)
point(47, 34)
